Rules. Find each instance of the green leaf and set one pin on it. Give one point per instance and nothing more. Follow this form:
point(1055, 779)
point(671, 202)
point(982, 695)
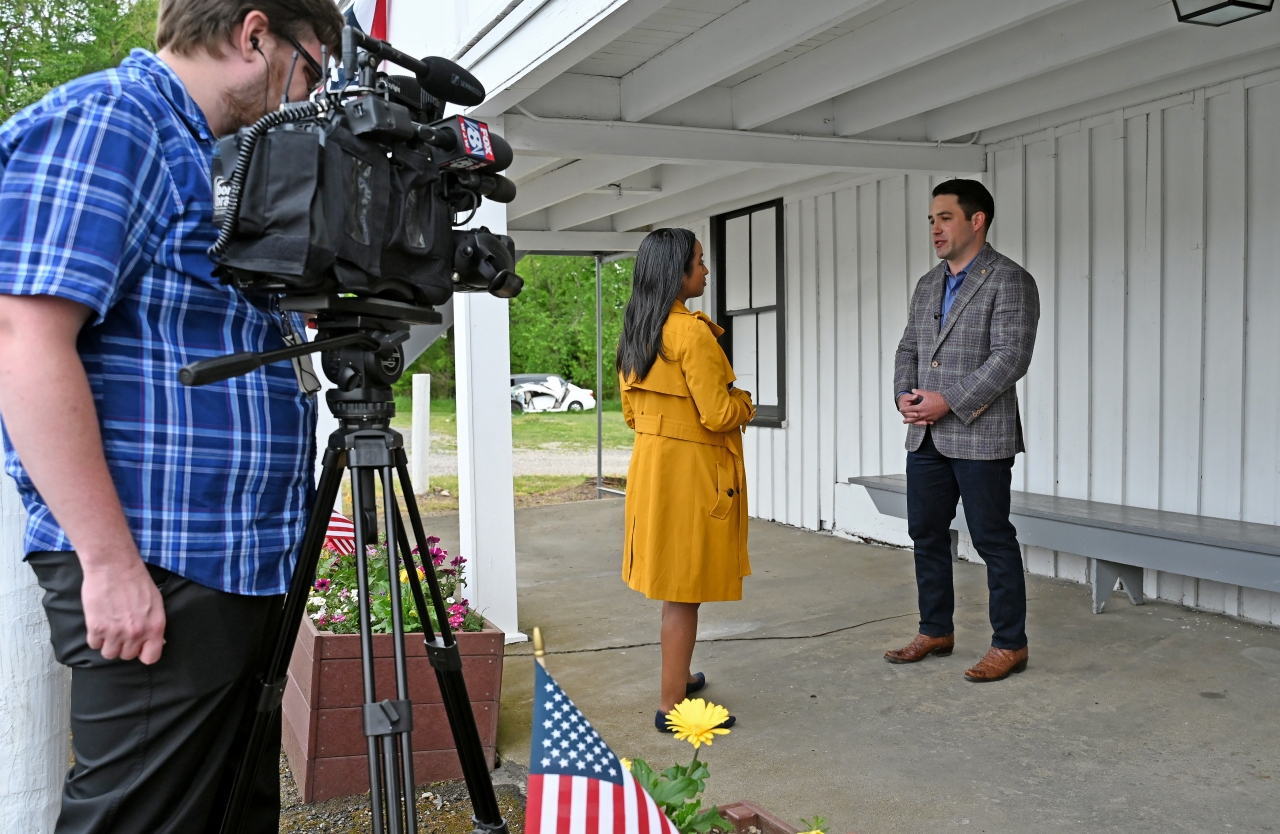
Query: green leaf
point(642, 773)
point(706, 821)
point(674, 791)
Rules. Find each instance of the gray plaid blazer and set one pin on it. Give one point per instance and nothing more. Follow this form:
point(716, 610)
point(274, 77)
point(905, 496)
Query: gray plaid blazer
point(974, 361)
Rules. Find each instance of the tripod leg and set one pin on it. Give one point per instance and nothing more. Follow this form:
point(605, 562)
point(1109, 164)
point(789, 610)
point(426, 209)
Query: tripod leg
point(268, 688)
point(402, 809)
point(365, 511)
point(447, 661)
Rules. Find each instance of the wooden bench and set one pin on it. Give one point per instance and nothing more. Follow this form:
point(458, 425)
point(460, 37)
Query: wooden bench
point(1120, 541)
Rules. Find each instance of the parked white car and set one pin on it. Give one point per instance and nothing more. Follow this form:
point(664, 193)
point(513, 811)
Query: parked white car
point(548, 392)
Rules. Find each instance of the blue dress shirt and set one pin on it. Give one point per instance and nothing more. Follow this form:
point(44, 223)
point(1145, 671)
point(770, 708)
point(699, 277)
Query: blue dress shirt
point(105, 200)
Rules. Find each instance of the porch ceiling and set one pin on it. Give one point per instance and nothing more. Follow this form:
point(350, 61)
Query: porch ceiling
point(894, 71)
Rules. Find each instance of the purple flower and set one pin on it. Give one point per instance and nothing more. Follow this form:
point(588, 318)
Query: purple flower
point(432, 541)
point(322, 584)
point(458, 561)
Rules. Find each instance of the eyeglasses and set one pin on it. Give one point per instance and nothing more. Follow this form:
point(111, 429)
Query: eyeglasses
point(313, 69)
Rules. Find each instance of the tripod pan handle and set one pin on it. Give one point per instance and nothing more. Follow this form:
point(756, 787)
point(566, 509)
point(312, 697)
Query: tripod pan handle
point(219, 368)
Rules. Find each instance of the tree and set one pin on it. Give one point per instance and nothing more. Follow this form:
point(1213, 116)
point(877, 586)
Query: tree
point(553, 325)
point(553, 321)
point(45, 43)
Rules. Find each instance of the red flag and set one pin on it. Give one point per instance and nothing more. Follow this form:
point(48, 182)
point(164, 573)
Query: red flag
point(341, 536)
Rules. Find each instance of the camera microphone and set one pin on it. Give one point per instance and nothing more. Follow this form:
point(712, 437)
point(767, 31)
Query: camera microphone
point(445, 79)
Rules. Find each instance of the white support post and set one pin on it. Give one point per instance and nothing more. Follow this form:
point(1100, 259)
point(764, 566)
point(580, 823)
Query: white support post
point(486, 523)
point(421, 468)
point(35, 691)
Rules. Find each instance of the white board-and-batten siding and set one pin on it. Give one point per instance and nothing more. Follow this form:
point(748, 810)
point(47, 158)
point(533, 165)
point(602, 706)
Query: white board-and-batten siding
point(1154, 237)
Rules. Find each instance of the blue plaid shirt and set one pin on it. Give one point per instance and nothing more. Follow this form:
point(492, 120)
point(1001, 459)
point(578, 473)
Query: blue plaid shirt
point(105, 200)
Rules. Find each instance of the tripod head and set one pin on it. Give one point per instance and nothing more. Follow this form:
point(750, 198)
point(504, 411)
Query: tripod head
point(359, 340)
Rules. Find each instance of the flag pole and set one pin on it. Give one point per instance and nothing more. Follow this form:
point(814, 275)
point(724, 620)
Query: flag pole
point(539, 648)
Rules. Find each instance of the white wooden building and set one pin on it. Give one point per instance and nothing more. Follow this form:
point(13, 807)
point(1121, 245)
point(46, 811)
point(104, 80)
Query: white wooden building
point(1136, 172)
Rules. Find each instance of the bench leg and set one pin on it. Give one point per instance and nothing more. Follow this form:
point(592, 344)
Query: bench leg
point(1103, 576)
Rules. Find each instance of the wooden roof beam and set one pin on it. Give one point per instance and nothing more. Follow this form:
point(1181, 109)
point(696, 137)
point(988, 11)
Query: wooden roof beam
point(572, 180)
point(1046, 44)
point(746, 35)
point(663, 143)
point(672, 179)
point(911, 35)
point(1182, 49)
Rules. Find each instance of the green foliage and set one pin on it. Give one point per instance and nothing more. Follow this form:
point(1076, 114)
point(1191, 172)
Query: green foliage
point(436, 360)
point(677, 790)
point(44, 43)
point(553, 326)
point(816, 824)
point(553, 322)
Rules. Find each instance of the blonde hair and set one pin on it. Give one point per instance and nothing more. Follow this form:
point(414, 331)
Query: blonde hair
point(186, 26)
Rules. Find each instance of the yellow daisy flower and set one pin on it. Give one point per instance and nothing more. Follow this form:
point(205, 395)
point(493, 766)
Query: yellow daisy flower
point(625, 762)
point(697, 721)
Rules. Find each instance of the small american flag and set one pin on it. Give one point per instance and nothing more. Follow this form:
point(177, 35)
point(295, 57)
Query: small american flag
point(576, 783)
point(341, 536)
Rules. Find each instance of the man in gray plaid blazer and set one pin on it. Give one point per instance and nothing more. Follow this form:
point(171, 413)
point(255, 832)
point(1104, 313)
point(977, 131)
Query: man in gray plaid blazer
point(969, 338)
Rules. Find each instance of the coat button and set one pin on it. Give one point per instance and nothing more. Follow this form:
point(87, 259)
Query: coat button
point(730, 493)
point(935, 364)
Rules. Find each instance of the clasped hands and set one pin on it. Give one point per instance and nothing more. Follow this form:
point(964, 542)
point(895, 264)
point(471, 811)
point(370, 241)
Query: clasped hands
point(922, 408)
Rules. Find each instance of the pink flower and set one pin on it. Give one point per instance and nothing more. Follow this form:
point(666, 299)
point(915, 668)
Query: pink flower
point(432, 541)
point(458, 561)
point(322, 584)
point(323, 620)
point(438, 555)
point(339, 617)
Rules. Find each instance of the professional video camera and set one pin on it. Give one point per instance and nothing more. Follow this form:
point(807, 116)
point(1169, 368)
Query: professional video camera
point(356, 190)
point(343, 207)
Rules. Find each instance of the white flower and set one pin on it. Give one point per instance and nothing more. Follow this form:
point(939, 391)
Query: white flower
point(449, 600)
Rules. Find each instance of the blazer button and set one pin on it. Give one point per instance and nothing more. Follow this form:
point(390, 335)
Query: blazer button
point(935, 364)
point(730, 493)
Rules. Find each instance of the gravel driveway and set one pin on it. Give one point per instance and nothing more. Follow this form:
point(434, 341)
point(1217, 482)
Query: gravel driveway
point(547, 462)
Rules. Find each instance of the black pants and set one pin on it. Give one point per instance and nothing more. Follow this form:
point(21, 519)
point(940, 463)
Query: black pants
point(152, 743)
point(935, 483)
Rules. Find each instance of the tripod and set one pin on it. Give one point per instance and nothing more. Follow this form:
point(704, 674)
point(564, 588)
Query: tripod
point(359, 340)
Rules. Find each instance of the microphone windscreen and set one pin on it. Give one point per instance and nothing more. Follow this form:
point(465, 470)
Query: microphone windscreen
point(445, 79)
point(502, 189)
point(502, 153)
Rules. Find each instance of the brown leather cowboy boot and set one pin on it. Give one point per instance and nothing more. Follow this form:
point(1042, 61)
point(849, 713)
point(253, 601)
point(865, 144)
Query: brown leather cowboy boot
point(921, 647)
point(998, 665)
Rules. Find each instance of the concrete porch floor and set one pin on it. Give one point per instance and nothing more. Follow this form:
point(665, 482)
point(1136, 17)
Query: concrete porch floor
point(1150, 718)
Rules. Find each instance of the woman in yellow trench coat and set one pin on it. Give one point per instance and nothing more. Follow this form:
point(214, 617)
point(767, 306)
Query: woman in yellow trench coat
point(686, 512)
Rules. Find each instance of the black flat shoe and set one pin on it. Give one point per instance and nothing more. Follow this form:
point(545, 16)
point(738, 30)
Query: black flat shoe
point(660, 722)
point(696, 686)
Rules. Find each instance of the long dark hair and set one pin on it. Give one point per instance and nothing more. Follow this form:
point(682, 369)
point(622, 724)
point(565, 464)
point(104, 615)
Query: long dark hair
point(664, 258)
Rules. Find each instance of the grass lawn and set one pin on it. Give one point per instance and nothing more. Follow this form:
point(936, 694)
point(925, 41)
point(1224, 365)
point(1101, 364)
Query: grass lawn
point(558, 430)
point(530, 491)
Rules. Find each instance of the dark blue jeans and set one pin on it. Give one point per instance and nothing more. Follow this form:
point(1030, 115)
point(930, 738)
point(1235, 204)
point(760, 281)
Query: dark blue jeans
point(935, 483)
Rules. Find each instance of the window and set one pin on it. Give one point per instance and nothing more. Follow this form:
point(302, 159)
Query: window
point(750, 271)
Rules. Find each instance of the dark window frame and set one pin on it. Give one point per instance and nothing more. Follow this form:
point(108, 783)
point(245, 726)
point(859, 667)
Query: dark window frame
point(770, 416)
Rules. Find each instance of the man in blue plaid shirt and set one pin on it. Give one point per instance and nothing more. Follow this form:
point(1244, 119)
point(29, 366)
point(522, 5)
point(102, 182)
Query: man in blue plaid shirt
point(163, 521)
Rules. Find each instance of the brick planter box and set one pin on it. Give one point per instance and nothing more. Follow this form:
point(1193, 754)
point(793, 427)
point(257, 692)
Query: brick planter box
point(323, 736)
point(745, 815)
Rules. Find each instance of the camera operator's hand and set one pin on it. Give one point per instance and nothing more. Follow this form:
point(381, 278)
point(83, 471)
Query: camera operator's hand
point(53, 424)
point(123, 610)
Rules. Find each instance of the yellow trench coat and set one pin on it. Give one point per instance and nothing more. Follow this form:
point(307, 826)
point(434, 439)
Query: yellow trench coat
point(686, 512)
